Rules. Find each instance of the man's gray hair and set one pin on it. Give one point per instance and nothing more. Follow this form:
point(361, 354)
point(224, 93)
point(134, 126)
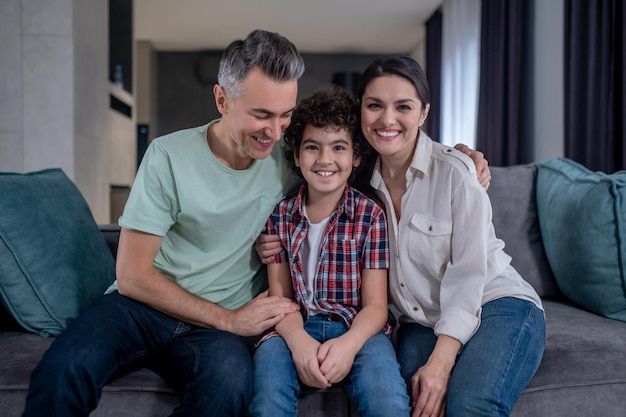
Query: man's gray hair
point(274, 54)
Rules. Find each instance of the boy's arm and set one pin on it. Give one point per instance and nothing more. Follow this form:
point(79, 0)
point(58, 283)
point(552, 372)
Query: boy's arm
point(302, 346)
point(337, 355)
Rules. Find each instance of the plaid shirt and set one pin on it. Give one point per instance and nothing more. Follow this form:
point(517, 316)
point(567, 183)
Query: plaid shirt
point(355, 238)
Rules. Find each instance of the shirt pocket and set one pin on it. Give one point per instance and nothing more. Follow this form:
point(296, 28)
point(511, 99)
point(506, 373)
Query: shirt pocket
point(430, 241)
point(265, 208)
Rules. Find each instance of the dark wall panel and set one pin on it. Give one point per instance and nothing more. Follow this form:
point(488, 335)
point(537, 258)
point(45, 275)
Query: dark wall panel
point(186, 79)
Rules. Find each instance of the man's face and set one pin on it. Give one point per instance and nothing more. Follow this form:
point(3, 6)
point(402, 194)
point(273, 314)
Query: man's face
point(255, 119)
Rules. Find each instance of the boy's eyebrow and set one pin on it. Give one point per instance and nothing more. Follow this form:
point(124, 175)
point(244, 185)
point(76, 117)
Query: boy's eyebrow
point(317, 142)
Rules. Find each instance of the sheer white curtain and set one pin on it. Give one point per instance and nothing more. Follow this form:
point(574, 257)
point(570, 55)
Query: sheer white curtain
point(460, 71)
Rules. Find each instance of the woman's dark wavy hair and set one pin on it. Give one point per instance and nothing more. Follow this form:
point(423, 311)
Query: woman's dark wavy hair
point(402, 66)
point(331, 106)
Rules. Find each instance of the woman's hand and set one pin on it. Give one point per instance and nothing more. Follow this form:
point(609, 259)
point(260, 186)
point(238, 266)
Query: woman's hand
point(267, 246)
point(482, 165)
point(429, 385)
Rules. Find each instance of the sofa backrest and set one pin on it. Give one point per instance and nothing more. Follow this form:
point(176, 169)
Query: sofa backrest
point(512, 194)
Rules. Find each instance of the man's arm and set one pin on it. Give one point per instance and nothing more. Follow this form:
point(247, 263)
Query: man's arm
point(482, 166)
point(138, 279)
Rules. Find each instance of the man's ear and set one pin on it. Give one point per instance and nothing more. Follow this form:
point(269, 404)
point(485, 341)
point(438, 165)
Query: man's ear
point(221, 100)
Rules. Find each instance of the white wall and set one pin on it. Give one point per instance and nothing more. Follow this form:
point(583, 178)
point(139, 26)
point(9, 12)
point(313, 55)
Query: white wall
point(54, 97)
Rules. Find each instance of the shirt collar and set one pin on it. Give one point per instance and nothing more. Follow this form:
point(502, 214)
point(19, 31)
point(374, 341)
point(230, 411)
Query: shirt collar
point(419, 163)
point(346, 203)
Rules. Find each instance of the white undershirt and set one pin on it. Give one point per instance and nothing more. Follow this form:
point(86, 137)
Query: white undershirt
point(309, 254)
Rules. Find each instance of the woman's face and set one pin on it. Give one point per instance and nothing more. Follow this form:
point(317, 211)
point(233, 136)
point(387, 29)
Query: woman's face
point(391, 115)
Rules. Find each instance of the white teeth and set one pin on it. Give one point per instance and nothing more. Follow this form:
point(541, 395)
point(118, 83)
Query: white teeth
point(386, 134)
point(262, 141)
point(325, 173)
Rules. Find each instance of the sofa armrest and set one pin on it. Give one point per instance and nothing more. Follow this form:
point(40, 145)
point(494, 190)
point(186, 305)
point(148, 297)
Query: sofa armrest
point(111, 234)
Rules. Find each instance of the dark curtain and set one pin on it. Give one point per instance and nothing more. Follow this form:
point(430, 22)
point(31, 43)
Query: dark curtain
point(433, 72)
point(594, 83)
point(499, 126)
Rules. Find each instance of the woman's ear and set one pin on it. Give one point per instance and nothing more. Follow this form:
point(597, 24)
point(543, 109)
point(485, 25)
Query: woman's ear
point(424, 114)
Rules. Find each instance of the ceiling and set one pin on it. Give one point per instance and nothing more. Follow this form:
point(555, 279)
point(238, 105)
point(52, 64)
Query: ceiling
point(314, 26)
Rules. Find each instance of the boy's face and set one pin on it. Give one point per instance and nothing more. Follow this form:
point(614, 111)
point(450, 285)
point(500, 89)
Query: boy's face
point(326, 159)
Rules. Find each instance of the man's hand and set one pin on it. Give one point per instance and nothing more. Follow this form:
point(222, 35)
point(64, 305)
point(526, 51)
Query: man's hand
point(482, 166)
point(267, 246)
point(259, 314)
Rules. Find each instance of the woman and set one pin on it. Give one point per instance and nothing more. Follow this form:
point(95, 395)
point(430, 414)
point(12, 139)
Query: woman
point(472, 330)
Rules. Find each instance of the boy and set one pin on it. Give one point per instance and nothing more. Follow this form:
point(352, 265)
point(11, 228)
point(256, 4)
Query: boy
point(334, 265)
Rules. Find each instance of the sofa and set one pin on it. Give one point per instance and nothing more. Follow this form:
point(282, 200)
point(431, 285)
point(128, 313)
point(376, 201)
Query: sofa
point(583, 371)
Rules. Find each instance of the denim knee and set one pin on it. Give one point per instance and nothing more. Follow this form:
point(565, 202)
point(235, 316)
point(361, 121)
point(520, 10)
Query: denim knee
point(221, 381)
point(276, 383)
point(375, 383)
point(497, 363)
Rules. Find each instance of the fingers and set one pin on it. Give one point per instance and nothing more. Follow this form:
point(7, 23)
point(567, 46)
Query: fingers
point(263, 312)
point(464, 148)
point(426, 399)
point(484, 177)
point(315, 378)
point(268, 250)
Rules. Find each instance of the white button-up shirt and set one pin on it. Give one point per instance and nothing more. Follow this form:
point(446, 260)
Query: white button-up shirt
point(446, 259)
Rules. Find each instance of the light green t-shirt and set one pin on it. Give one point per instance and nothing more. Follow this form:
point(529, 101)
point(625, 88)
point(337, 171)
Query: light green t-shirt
point(208, 214)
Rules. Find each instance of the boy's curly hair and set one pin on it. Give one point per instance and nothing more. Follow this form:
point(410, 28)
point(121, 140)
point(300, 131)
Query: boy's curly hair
point(332, 107)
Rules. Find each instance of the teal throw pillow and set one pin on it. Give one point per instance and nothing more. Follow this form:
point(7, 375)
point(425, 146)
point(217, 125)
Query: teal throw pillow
point(54, 261)
point(582, 215)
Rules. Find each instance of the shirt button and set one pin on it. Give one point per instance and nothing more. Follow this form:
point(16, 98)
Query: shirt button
point(415, 308)
point(402, 284)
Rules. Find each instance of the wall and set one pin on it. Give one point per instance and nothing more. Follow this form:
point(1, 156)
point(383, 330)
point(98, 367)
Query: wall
point(54, 97)
point(544, 111)
point(183, 101)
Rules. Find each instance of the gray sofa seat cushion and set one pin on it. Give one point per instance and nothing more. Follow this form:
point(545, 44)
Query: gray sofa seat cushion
point(139, 393)
point(584, 366)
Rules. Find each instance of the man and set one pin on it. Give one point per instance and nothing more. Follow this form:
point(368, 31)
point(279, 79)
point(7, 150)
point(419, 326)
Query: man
point(188, 279)
point(187, 274)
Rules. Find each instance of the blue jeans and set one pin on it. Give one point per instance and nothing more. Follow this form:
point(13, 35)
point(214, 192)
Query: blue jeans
point(212, 369)
point(374, 382)
point(496, 364)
